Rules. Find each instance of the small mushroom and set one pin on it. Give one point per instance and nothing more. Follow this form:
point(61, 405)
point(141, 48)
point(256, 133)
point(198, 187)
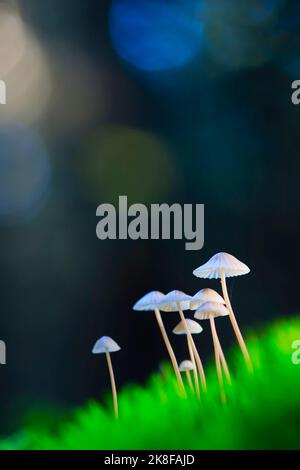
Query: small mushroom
point(200, 298)
point(186, 366)
point(194, 328)
point(192, 325)
point(150, 302)
point(107, 345)
point(209, 311)
point(220, 266)
point(177, 301)
point(205, 295)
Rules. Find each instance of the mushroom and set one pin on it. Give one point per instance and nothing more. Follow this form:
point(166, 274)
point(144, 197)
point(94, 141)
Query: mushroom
point(150, 302)
point(200, 298)
point(194, 328)
point(107, 345)
point(205, 295)
point(186, 366)
point(220, 266)
point(192, 325)
point(209, 311)
point(177, 301)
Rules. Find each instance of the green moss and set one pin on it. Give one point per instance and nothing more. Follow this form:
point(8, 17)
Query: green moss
point(263, 409)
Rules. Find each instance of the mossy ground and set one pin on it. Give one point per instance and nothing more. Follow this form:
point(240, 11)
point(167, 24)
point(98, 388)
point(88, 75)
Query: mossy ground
point(262, 412)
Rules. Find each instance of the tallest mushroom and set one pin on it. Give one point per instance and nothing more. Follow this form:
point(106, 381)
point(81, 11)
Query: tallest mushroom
point(220, 266)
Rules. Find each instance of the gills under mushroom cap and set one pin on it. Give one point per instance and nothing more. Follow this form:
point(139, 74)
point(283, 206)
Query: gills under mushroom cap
point(193, 327)
point(205, 295)
point(170, 301)
point(211, 310)
point(221, 261)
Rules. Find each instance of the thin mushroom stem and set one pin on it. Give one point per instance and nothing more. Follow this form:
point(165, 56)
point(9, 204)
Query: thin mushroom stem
point(217, 358)
point(113, 384)
point(224, 363)
point(197, 357)
point(234, 323)
point(200, 366)
point(189, 379)
point(195, 368)
point(170, 350)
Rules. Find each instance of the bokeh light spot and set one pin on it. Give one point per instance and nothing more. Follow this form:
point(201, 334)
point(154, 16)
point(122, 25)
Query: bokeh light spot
point(156, 35)
point(24, 173)
point(125, 161)
point(24, 68)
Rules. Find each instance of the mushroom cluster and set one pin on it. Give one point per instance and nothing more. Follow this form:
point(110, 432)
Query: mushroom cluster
point(220, 266)
point(207, 304)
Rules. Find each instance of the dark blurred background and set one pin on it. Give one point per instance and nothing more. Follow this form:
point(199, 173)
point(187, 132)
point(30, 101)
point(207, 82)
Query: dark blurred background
point(164, 101)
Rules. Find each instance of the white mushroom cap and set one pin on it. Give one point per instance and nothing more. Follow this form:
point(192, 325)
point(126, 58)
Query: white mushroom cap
point(211, 309)
point(205, 295)
point(105, 344)
point(186, 365)
point(221, 261)
point(149, 301)
point(193, 327)
point(170, 300)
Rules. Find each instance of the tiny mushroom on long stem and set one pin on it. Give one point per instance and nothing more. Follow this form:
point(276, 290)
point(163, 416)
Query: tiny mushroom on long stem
point(194, 328)
point(106, 345)
point(209, 311)
point(186, 366)
point(200, 298)
point(220, 266)
point(150, 302)
point(177, 301)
